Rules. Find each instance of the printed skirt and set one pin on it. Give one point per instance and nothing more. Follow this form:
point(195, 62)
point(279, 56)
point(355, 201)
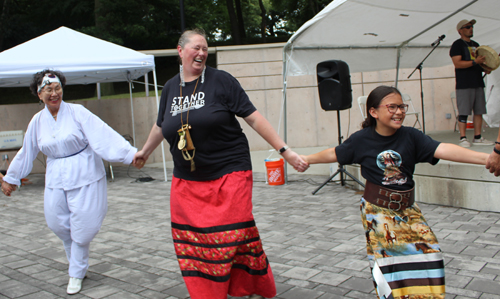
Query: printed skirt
point(217, 244)
point(404, 253)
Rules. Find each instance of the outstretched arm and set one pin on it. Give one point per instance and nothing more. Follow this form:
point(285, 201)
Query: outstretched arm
point(493, 163)
point(455, 153)
point(264, 128)
point(326, 156)
point(154, 139)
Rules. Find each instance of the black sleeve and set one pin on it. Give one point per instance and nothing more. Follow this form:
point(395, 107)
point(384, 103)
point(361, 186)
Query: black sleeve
point(346, 151)
point(163, 105)
point(456, 49)
point(238, 101)
point(427, 147)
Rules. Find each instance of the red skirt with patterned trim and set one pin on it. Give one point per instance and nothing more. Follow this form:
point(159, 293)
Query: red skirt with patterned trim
point(216, 241)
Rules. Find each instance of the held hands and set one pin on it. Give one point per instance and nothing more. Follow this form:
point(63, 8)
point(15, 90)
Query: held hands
point(493, 163)
point(295, 160)
point(140, 159)
point(7, 188)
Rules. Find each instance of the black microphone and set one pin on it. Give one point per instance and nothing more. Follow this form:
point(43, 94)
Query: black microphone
point(437, 41)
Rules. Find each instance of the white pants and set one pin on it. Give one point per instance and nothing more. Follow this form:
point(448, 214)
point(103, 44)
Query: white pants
point(76, 216)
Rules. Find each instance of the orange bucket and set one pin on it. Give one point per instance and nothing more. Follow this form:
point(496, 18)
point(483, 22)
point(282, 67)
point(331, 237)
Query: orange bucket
point(275, 171)
point(470, 125)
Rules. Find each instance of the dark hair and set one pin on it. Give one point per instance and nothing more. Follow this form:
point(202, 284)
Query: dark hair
point(186, 36)
point(38, 77)
point(373, 101)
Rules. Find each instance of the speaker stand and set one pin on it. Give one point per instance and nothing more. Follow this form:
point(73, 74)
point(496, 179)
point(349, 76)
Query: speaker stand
point(341, 170)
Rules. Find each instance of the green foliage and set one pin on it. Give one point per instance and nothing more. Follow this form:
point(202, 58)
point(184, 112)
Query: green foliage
point(146, 24)
point(152, 24)
point(296, 13)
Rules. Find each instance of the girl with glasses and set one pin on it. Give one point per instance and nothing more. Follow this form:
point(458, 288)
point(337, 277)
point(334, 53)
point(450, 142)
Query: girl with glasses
point(404, 253)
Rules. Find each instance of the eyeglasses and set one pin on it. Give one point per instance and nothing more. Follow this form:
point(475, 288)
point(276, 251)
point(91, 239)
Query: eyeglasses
point(49, 90)
point(393, 108)
point(467, 27)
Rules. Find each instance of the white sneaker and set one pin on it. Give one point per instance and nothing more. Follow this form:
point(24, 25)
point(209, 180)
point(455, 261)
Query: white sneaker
point(464, 143)
point(482, 141)
point(74, 285)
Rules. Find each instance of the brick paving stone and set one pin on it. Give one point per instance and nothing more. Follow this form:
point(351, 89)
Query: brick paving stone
point(489, 296)
point(360, 295)
point(458, 281)
point(484, 286)
point(315, 244)
point(466, 264)
point(40, 295)
point(300, 293)
point(100, 291)
point(358, 284)
point(300, 273)
point(329, 278)
point(15, 289)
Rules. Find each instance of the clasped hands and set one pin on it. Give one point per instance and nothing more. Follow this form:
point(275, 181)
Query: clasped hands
point(139, 160)
point(295, 160)
point(7, 188)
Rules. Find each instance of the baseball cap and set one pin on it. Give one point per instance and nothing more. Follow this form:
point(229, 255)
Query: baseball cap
point(463, 22)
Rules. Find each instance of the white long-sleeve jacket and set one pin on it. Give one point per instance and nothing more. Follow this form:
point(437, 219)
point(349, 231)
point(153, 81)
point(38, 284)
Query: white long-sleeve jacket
point(74, 146)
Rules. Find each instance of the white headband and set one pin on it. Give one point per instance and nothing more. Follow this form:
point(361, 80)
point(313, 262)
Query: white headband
point(48, 79)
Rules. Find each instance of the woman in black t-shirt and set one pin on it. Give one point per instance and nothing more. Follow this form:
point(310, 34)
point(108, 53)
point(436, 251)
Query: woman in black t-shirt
point(216, 241)
point(404, 253)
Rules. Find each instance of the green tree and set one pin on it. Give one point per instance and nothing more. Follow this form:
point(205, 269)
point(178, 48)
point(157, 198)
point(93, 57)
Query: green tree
point(293, 14)
point(22, 20)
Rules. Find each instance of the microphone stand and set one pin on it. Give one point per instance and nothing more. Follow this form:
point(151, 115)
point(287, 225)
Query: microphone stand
point(419, 67)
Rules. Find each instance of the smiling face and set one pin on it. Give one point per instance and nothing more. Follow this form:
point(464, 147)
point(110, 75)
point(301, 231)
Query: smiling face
point(193, 56)
point(388, 123)
point(51, 95)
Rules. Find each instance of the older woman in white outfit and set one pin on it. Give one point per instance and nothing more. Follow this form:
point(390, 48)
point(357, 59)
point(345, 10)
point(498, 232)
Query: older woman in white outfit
point(75, 141)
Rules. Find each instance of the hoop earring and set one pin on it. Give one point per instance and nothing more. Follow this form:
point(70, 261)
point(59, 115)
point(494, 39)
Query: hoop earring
point(203, 75)
point(181, 73)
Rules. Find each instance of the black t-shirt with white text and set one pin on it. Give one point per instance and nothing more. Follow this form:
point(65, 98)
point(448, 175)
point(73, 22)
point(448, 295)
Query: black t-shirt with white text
point(221, 146)
point(388, 161)
point(471, 77)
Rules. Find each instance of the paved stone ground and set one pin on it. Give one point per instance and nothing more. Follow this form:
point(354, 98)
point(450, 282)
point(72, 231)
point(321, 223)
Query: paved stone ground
point(315, 243)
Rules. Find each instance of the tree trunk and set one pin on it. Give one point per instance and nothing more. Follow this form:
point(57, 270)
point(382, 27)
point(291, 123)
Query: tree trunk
point(263, 23)
point(234, 22)
point(99, 20)
point(3, 20)
point(241, 26)
point(107, 88)
point(314, 6)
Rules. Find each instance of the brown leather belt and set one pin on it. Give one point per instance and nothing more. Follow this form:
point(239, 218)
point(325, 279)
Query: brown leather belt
point(387, 198)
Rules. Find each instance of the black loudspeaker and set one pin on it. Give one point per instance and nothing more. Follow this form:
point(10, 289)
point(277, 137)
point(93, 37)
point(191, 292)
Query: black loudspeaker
point(334, 85)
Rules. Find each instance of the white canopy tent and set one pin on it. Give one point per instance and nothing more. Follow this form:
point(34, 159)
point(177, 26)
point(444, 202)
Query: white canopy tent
point(372, 35)
point(82, 58)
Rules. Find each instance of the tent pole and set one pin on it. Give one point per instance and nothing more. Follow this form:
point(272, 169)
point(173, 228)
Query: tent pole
point(398, 59)
point(132, 110)
point(284, 109)
point(158, 109)
point(98, 90)
point(146, 83)
point(435, 24)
